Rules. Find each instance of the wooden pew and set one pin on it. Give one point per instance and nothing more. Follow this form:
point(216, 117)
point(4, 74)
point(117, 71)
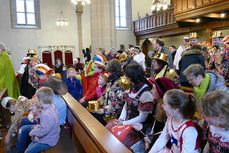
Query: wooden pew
point(4, 119)
point(4, 114)
point(88, 134)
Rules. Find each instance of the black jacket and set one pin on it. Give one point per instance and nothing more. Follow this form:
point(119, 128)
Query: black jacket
point(192, 56)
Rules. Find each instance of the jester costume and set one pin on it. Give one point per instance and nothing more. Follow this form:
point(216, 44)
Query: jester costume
point(7, 76)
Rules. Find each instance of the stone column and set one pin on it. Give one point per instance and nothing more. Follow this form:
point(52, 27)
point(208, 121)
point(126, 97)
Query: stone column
point(102, 24)
point(79, 12)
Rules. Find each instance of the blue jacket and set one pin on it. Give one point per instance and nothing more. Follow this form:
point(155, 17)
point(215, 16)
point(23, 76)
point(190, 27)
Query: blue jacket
point(74, 87)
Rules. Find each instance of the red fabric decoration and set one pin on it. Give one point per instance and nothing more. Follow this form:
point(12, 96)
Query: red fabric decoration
point(68, 58)
point(47, 58)
point(58, 55)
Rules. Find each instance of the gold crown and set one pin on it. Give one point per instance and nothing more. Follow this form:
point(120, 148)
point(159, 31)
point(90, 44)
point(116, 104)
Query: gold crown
point(193, 35)
point(161, 56)
point(32, 51)
point(93, 105)
point(217, 34)
point(122, 56)
point(124, 82)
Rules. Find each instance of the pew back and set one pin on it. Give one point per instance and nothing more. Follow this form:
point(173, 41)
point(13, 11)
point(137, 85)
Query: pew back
point(90, 135)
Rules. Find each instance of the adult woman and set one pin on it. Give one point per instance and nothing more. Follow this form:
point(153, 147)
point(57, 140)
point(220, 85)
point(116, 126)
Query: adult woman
point(138, 103)
point(160, 66)
point(112, 100)
point(155, 121)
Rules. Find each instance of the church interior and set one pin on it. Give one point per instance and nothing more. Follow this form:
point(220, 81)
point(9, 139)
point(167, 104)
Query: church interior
point(118, 72)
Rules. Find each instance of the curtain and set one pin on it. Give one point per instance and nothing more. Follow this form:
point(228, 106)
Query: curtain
point(58, 55)
point(68, 58)
point(47, 58)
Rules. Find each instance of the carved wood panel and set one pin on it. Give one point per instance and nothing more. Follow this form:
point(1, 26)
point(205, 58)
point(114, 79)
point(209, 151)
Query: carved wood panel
point(185, 5)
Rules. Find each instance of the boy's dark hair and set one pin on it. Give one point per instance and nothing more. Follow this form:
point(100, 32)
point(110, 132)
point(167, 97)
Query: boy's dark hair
point(173, 46)
point(114, 66)
point(161, 43)
point(135, 72)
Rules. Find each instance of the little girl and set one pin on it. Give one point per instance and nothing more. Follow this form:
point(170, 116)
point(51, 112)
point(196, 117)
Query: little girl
point(215, 111)
point(102, 81)
point(179, 130)
point(73, 84)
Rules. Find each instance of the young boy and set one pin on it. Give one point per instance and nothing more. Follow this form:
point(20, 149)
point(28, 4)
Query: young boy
point(46, 133)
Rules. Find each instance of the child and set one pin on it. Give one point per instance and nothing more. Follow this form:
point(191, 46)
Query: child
point(73, 84)
point(92, 81)
point(102, 81)
point(45, 134)
point(19, 107)
point(179, 129)
point(215, 111)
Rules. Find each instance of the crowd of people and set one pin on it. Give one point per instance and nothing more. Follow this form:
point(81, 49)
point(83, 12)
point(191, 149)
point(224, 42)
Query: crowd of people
point(173, 100)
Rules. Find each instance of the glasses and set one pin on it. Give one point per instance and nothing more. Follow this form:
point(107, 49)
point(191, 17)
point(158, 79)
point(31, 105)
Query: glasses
point(186, 40)
point(191, 79)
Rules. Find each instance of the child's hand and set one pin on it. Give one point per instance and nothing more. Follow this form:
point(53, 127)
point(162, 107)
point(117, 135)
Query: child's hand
point(100, 111)
point(147, 142)
point(120, 122)
point(35, 118)
point(82, 100)
point(137, 126)
point(7, 138)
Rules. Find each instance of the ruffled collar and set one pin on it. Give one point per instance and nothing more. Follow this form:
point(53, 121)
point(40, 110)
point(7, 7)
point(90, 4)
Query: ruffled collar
point(220, 132)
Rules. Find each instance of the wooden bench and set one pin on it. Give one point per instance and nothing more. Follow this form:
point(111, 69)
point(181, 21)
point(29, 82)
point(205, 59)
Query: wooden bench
point(4, 114)
point(4, 119)
point(87, 134)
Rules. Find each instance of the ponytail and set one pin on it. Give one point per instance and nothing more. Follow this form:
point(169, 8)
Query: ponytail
point(185, 102)
point(189, 106)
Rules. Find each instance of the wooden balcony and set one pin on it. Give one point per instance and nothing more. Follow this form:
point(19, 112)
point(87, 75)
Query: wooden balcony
point(186, 9)
point(155, 20)
point(181, 19)
point(157, 24)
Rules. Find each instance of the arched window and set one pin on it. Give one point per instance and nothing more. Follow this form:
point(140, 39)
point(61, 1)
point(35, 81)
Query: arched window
point(123, 14)
point(25, 13)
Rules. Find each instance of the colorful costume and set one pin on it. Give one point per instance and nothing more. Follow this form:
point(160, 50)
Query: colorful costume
point(218, 140)
point(164, 71)
point(185, 138)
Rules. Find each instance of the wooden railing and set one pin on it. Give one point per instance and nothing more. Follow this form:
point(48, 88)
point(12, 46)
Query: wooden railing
point(157, 19)
point(89, 135)
point(186, 9)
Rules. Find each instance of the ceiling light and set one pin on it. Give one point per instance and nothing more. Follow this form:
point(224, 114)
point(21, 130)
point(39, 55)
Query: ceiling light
point(160, 4)
point(198, 20)
point(82, 2)
point(61, 21)
point(222, 15)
